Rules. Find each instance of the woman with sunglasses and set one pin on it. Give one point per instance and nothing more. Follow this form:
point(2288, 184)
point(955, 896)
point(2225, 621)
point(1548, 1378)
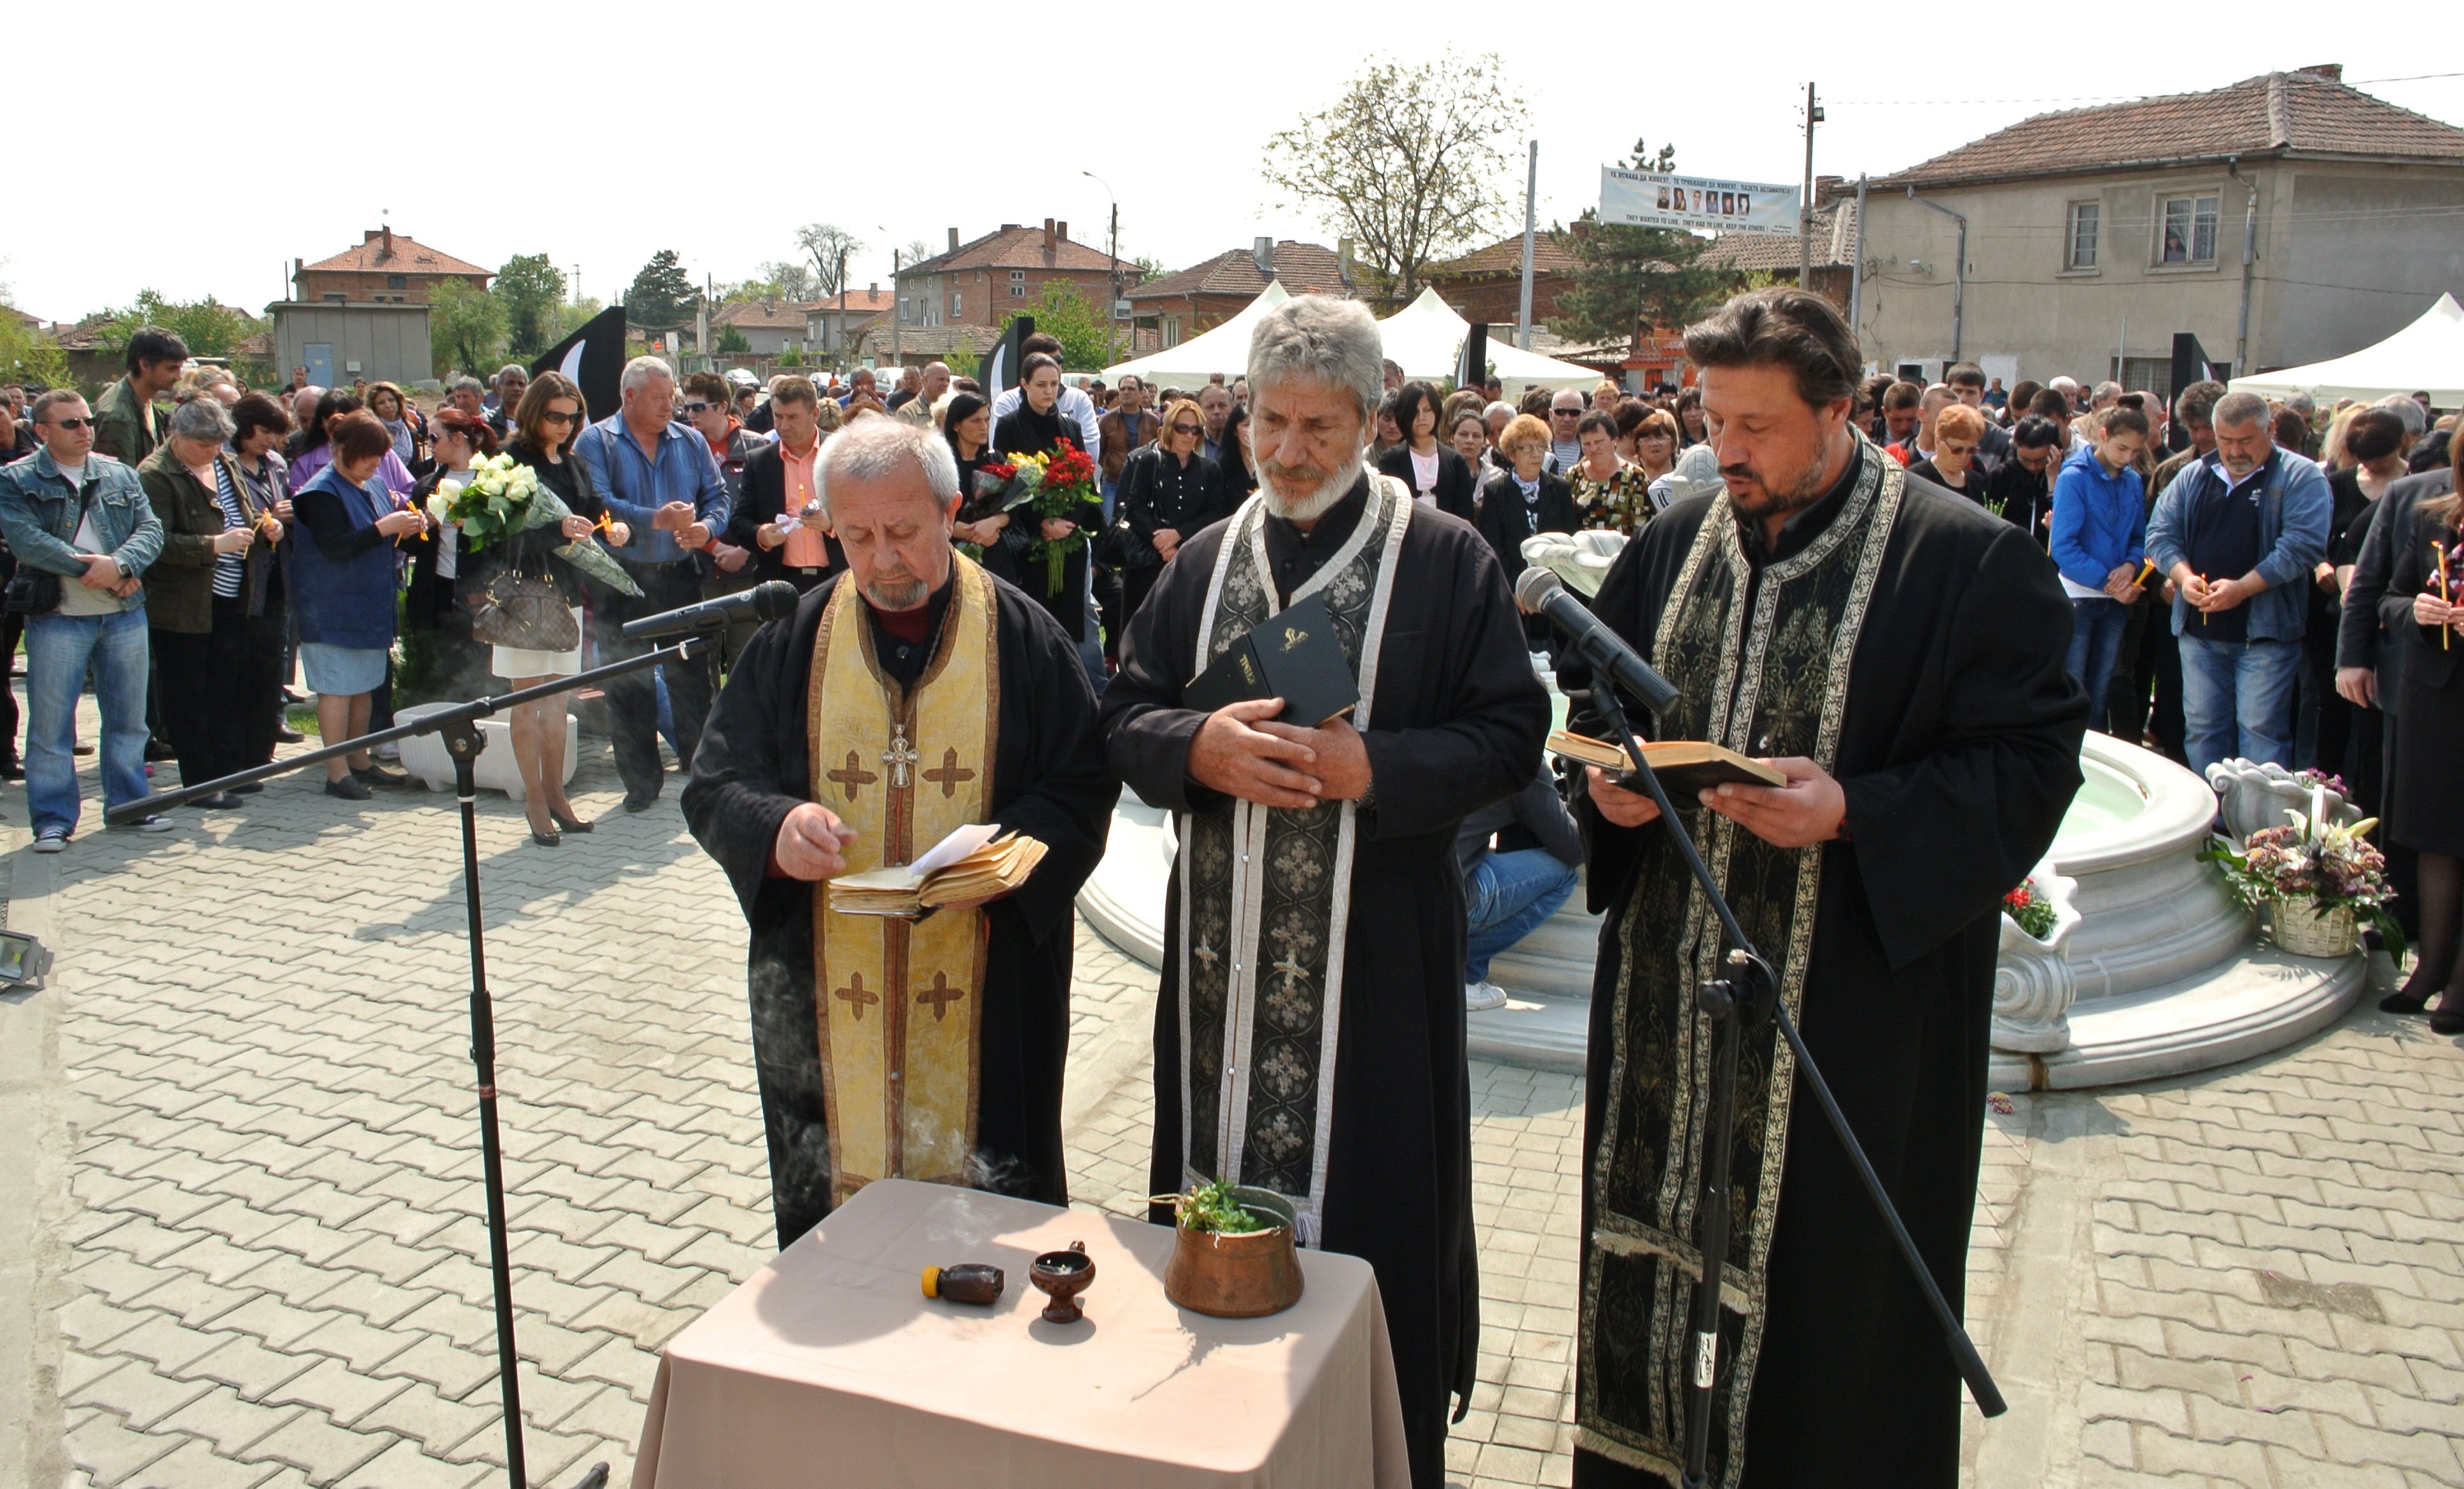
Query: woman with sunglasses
point(1168, 492)
point(545, 421)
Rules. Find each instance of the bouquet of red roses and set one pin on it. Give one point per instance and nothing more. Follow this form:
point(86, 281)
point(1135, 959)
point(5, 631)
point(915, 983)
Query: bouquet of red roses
point(1065, 481)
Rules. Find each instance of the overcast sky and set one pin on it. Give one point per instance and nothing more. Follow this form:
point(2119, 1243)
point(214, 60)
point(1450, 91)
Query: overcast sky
point(199, 150)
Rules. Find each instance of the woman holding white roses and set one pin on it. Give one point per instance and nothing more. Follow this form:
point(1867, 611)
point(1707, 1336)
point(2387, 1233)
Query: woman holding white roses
point(551, 413)
point(432, 606)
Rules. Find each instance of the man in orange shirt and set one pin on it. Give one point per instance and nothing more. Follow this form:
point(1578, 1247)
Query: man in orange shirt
point(777, 515)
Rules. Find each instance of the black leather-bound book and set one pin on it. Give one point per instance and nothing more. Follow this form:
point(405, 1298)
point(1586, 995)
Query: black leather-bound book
point(1293, 656)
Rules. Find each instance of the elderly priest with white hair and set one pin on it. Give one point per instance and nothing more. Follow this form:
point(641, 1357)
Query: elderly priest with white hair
point(908, 696)
point(1310, 1035)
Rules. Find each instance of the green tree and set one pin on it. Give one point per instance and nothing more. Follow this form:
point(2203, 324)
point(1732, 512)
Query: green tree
point(210, 329)
point(661, 298)
point(466, 328)
point(529, 288)
point(1409, 163)
point(790, 279)
point(27, 355)
point(731, 343)
point(1631, 279)
point(1064, 315)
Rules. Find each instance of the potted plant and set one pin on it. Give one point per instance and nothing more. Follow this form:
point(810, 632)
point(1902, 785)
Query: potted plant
point(2318, 879)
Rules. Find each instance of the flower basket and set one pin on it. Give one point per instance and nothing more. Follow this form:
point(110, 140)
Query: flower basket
point(2304, 930)
point(2319, 878)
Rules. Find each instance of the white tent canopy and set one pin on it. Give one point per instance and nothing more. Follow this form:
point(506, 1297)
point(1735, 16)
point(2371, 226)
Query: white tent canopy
point(2424, 356)
point(1225, 349)
point(1426, 338)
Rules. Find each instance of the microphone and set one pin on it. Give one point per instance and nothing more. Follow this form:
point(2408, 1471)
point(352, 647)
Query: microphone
point(765, 601)
point(1541, 590)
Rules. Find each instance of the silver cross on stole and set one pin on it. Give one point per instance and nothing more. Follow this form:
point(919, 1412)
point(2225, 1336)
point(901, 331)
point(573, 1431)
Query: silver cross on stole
point(899, 756)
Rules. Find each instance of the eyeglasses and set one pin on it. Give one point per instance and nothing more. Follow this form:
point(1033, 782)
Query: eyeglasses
point(1187, 429)
point(73, 424)
point(551, 416)
point(694, 408)
point(1563, 413)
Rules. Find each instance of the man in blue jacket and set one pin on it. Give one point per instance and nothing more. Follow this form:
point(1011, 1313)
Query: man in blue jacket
point(2239, 533)
point(2100, 529)
point(79, 515)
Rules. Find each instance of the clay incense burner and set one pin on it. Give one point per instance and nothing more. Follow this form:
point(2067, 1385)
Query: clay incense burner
point(1062, 1275)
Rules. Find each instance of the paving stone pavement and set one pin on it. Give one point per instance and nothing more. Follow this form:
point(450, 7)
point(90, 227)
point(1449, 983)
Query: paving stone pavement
point(257, 1255)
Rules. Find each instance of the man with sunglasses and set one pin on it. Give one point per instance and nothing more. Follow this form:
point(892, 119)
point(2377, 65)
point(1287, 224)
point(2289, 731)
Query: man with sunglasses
point(1566, 410)
point(81, 516)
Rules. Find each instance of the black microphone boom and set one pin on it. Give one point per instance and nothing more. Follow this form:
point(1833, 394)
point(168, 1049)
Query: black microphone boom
point(764, 601)
point(1541, 590)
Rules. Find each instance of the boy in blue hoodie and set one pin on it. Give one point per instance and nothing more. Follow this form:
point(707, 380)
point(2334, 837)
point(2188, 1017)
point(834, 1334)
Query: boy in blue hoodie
point(2100, 535)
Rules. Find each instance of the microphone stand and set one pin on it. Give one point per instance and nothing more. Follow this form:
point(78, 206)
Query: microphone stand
point(463, 742)
point(1738, 1002)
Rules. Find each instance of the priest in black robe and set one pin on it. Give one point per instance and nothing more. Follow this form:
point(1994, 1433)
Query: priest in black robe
point(856, 735)
point(1899, 652)
point(1310, 1035)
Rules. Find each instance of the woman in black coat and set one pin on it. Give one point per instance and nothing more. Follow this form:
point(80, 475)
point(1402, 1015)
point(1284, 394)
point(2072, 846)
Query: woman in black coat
point(1036, 428)
point(433, 606)
point(1516, 503)
point(1168, 492)
point(2426, 806)
point(1433, 472)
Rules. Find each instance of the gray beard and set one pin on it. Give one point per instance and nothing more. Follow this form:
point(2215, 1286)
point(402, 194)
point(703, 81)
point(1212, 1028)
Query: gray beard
point(1315, 505)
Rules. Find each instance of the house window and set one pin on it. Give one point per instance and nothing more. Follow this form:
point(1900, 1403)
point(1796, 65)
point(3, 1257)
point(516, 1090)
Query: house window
point(1017, 277)
point(957, 303)
point(1017, 292)
point(2190, 231)
point(1172, 330)
point(395, 283)
point(331, 299)
point(2081, 253)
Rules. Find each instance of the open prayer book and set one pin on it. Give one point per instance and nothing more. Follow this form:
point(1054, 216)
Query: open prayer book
point(968, 864)
point(1684, 766)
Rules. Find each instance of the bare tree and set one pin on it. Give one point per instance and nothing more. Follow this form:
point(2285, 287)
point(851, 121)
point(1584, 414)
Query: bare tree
point(830, 247)
point(1407, 164)
point(916, 253)
point(793, 278)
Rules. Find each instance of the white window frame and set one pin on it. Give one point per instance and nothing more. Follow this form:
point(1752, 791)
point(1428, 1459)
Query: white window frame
point(2193, 198)
point(2071, 261)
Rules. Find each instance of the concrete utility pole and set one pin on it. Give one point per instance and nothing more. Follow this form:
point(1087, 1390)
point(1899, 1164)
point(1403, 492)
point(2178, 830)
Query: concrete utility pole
point(1805, 197)
point(897, 328)
point(1857, 271)
point(1112, 310)
point(1530, 227)
point(1958, 269)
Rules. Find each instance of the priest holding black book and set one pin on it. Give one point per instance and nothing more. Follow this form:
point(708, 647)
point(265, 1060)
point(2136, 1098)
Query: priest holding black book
point(909, 695)
point(1897, 653)
point(1310, 1034)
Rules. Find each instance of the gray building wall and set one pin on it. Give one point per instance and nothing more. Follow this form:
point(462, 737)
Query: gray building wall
point(388, 342)
point(2348, 254)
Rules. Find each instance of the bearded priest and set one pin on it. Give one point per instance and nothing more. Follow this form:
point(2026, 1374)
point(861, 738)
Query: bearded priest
point(1897, 653)
point(1310, 1034)
point(911, 694)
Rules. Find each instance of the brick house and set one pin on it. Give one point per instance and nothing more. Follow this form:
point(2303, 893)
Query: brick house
point(982, 281)
point(1486, 284)
point(1178, 306)
point(386, 268)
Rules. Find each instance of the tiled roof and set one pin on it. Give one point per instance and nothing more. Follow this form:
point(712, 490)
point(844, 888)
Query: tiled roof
point(85, 336)
point(858, 302)
point(1012, 247)
point(2311, 112)
point(1304, 268)
point(406, 257)
point(1550, 254)
point(1835, 243)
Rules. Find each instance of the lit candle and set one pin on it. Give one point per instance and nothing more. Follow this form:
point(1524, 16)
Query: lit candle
point(2447, 632)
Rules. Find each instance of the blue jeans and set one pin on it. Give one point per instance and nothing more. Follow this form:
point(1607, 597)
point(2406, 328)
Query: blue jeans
point(2096, 639)
point(2237, 700)
point(60, 649)
point(1505, 896)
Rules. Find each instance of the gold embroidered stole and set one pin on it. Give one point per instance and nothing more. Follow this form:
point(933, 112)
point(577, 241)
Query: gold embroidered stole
point(1767, 679)
point(898, 1001)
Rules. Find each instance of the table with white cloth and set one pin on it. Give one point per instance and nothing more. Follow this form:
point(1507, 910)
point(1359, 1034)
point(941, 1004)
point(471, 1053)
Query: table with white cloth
point(831, 1366)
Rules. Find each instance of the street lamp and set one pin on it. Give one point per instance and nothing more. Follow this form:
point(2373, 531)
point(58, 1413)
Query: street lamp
point(1113, 309)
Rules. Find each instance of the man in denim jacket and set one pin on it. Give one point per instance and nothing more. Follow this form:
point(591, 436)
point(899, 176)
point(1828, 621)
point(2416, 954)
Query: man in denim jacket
point(2239, 534)
point(70, 512)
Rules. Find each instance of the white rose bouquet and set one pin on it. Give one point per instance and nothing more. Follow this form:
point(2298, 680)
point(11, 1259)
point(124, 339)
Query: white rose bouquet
point(500, 497)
